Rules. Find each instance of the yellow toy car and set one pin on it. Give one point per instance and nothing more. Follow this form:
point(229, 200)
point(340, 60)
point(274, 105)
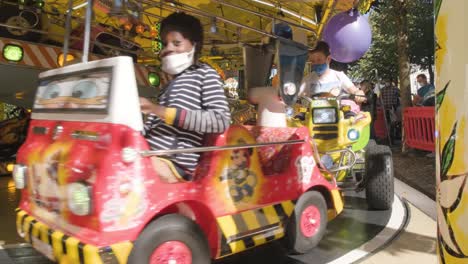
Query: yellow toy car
point(341, 137)
point(339, 133)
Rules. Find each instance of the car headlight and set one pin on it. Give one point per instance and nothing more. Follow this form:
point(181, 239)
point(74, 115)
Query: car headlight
point(19, 176)
point(324, 115)
point(10, 167)
point(79, 198)
point(327, 161)
point(353, 134)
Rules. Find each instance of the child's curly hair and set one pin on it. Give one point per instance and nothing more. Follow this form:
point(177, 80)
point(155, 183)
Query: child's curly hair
point(189, 26)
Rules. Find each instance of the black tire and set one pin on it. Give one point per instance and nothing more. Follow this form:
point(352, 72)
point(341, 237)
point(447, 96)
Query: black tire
point(11, 13)
point(171, 227)
point(379, 177)
point(371, 144)
point(295, 239)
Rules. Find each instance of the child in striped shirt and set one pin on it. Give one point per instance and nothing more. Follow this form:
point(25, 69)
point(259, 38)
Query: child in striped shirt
point(191, 105)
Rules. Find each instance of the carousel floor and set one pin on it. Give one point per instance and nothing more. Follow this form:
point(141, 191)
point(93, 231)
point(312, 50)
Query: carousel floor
point(356, 234)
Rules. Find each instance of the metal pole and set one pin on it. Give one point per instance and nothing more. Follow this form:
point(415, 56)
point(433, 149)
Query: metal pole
point(63, 36)
point(266, 16)
point(193, 10)
point(187, 8)
point(67, 31)
point(273, 23)
point(206, 14)
point(331, 6)
point(87, 33)
point(148, 153)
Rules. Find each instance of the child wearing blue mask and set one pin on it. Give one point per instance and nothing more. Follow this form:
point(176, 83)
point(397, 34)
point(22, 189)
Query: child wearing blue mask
point(323, 81)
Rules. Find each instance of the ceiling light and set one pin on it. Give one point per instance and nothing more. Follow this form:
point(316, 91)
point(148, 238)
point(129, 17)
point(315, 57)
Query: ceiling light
point(13, 52)
point(60, 59)
point(265, 3)
point(153, 79)
point(80, 6)
point(298, 16)
point(213, 27)
point(287, 11)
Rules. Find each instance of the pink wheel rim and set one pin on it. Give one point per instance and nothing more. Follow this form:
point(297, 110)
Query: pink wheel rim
point(310, 221)
point(171, 252)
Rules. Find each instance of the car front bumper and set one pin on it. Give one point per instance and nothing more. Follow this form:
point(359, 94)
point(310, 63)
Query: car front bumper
point(62, 248)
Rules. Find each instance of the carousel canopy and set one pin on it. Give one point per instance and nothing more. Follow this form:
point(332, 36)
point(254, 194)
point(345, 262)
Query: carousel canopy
point(227, 24)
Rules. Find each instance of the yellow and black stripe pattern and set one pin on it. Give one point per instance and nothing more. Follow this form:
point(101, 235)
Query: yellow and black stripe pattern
point(66, 249)
point(254, 227)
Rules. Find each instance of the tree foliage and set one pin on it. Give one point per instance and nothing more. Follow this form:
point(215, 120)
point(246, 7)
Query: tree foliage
point(421, 34)
point(8, 111)
point(382, 55)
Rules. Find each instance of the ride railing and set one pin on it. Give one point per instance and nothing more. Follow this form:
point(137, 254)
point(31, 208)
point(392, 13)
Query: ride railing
point(419, 125)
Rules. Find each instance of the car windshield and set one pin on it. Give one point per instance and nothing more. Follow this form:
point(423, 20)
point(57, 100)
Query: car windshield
point(84, 91)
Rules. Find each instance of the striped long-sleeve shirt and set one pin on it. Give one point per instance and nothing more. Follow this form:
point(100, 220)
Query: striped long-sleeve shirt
point(195, 105)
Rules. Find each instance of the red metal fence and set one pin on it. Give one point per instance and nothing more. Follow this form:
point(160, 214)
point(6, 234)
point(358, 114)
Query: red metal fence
point(419, 125)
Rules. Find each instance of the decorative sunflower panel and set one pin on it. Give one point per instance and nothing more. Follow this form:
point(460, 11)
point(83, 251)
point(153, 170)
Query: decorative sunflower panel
point(451, 131)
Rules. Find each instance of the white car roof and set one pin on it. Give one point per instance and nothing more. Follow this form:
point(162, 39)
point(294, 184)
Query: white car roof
point(123, 107)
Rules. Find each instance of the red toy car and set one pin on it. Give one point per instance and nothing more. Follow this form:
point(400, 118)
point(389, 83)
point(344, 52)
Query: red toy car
point(91, 195)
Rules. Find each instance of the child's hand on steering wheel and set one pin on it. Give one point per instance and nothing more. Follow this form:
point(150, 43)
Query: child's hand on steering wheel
point(359, 97)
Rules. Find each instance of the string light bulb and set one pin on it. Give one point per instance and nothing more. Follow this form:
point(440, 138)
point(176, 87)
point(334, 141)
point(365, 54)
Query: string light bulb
point(128, 26)
point(140, 28)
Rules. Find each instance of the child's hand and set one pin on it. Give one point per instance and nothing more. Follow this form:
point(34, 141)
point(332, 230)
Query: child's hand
point(147, 107)
point(360, 97)
point(335, 91)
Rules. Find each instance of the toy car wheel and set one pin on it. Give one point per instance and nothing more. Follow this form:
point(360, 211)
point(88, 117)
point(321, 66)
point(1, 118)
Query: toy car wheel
point(307, 224)
point(26, 19)
point(171, 239)
point(379, 173)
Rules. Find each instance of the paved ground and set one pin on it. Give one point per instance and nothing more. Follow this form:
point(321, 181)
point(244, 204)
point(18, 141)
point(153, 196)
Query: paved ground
point(416, 245)
point(417, 169)
point(10, 199)
point(351, 229)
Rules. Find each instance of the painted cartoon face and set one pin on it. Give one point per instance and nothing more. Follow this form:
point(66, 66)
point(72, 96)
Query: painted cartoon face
point(240, 158)
point(74, 92)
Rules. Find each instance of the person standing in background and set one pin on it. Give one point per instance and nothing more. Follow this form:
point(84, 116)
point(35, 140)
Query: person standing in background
point(424, 92)
point(371, 103)
point(390, 96)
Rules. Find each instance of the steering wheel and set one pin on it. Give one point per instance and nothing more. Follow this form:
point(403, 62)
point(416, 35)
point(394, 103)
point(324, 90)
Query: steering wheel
point(323, 96)
point(331, 96)
point(305, 98)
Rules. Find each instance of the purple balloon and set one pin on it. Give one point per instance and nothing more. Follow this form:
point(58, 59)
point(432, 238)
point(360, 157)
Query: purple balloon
point(349, 36)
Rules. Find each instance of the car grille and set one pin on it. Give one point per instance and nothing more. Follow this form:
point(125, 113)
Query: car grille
point(328, 132)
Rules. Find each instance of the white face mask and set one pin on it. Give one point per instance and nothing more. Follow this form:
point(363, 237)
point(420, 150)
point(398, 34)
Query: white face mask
point(177, 63)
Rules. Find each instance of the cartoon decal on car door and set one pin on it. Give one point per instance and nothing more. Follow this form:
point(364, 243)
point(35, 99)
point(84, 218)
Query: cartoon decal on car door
point(240, 178)
point(47, 181)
